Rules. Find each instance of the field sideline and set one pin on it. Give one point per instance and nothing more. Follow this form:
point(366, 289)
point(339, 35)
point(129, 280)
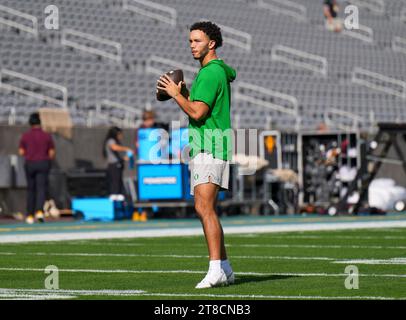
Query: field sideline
point(283, 265)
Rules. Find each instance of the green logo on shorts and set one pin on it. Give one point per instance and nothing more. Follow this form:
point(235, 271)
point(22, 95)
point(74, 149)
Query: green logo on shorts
point(196, 176)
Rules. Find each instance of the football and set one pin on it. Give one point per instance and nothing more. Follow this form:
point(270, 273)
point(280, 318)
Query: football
point(176, 76)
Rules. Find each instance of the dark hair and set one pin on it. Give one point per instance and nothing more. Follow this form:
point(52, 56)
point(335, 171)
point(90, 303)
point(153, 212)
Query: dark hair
point(212, 31)
point(35, 119)
point(148, 114)
point(111, 134)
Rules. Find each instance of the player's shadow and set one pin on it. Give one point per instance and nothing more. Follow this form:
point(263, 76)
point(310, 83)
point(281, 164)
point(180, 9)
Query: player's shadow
point(253, 278)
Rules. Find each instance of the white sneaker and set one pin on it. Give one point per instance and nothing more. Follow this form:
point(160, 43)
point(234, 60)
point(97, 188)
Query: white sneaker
point(231, 278)
point(213, 280)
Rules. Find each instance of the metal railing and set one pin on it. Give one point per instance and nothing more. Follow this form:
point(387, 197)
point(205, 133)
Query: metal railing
point(356, 120)
point(376, 6)
point(299, 58)
point(34, 20)
point(399, 44)
point(293, 111)
point(236, 120)
point(171, 64)
point(379, 82)
point(403, 15)
point(372, 123)
point(288, 8)
point(122, 123)
point(130, 113)
point(363, 33)
point(149, 8)
point(12, 116)
point(12, 74)
point(88, 48)
point(235, 37)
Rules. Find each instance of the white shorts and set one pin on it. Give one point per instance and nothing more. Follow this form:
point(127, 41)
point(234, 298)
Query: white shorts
point(203, 166)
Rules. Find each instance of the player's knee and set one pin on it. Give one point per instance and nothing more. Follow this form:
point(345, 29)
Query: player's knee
point(202, 209)
point(199, 207)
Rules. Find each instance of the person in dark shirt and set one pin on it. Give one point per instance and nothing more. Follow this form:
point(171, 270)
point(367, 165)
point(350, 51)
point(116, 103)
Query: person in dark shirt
point(112, 149)
point(38, 149)
point(330, 10)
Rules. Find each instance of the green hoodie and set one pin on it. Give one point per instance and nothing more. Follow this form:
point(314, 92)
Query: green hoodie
point(213, 133)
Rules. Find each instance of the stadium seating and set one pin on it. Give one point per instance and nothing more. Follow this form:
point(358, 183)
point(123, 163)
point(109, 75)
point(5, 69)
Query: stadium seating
point(90, 79)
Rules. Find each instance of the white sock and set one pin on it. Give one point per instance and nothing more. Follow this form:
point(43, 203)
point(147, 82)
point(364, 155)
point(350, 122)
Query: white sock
point(225, 265)
point(215, 265)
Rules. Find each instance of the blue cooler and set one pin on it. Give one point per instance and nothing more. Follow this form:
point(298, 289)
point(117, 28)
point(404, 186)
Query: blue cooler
point(103, 209)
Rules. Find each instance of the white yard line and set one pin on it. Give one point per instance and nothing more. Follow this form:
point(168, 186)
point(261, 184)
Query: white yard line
point(172, 232)
point(175, 256)
point(46, 292)
point(34, 297)
point(140, 293)
point(393, 261)
point(202, 245)
point(260, 274)
point(315, 246)
point(256, 296)
point(330, 233)
point(328, 236)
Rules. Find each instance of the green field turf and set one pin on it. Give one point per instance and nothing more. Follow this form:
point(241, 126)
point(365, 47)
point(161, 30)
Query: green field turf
point(268, 266)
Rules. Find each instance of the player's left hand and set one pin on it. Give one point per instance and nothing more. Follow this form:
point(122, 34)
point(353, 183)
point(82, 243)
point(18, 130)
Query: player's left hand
point(165, 83)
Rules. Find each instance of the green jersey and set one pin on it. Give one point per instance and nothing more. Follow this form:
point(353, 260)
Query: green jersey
point(213, 132)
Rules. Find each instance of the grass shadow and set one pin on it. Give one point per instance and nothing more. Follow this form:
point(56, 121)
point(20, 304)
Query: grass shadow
point(240, 279)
